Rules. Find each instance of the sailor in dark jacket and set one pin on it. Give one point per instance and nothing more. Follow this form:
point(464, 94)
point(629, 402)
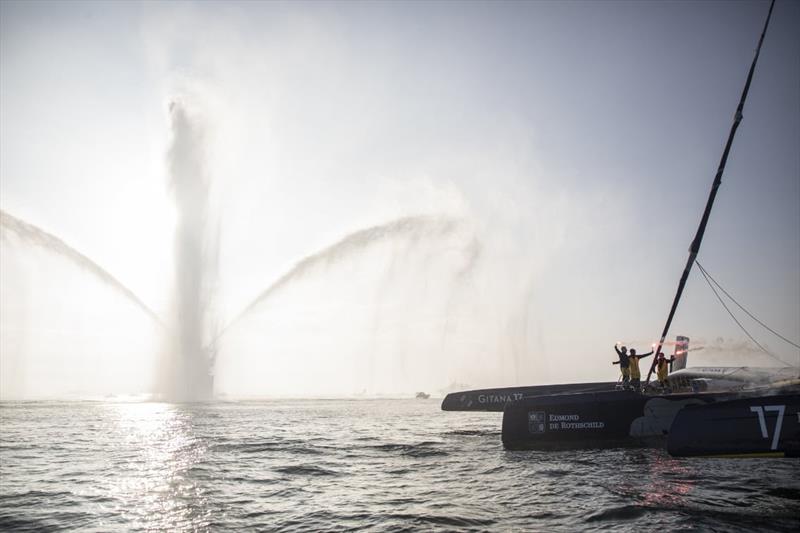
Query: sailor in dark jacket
point(636, 375)
point(624, 365)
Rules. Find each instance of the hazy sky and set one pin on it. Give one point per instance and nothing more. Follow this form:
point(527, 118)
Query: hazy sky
point(579, 139)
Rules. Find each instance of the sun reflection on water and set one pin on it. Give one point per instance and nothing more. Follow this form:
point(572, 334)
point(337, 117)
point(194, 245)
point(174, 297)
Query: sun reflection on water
point(670, 482)
point(154, 479)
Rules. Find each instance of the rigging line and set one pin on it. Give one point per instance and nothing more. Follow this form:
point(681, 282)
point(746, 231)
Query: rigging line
point(739, 323)
point(742, 308)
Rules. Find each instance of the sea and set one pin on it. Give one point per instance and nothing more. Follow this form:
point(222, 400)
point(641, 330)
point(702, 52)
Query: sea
point(353, 465)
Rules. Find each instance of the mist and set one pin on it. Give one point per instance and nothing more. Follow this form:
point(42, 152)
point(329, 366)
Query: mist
point(344, 199)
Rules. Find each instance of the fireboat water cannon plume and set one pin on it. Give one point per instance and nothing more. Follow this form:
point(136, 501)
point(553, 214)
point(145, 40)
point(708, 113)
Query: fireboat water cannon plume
point(34, 235)
point(694, 249)
point(189, 365)
point(414, 227)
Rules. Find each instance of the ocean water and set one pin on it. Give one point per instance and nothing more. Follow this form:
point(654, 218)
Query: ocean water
point(345, 465)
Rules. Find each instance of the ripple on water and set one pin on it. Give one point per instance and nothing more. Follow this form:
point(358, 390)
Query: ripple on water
point(378, 465)
point(424, 519)
point(306, 470)
point(789, 493)
point(615, 514)
point(421, 449)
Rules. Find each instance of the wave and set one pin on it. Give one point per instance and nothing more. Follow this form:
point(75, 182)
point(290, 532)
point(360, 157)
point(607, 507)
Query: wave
point(626, 512)
point(421, 449)
point(306, 470)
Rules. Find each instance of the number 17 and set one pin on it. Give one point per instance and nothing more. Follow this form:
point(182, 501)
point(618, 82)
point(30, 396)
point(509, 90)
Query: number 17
point(763, 423)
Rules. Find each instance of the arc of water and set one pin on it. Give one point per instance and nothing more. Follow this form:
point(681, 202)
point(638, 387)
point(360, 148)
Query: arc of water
point(35, 235)
point(413, 226)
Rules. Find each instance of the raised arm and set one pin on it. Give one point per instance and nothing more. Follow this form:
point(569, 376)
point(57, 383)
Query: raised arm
point(648, 354)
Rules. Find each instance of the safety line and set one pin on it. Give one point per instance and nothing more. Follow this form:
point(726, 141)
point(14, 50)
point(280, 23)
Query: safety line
point(743, 309)
point(703, 272)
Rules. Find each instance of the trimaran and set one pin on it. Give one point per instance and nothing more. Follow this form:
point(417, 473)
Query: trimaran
point(708, 411)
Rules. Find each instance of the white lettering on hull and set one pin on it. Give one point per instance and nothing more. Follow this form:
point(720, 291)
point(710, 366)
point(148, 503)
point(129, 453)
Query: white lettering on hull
point(582, 425)
point(499, 398)
point(759, 410)
point(560, 422)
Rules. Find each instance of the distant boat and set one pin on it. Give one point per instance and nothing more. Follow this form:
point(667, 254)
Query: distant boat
point(423, 396)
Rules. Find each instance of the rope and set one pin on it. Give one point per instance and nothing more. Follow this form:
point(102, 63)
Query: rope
point(745, 310)
point(706, 276)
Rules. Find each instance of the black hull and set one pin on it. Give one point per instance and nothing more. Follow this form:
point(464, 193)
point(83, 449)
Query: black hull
point(607, 419)
point(762, 425)
point(496, 399)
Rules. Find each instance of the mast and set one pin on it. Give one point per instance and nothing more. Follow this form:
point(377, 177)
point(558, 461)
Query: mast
point(694, 249)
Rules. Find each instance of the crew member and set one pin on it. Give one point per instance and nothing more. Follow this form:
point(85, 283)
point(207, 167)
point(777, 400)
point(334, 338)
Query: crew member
point(636, 375)
point(662, 370)
point(624, 365)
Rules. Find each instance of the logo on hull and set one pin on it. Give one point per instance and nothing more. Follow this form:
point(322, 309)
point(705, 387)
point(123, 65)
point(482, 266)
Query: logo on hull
point(536, 422)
